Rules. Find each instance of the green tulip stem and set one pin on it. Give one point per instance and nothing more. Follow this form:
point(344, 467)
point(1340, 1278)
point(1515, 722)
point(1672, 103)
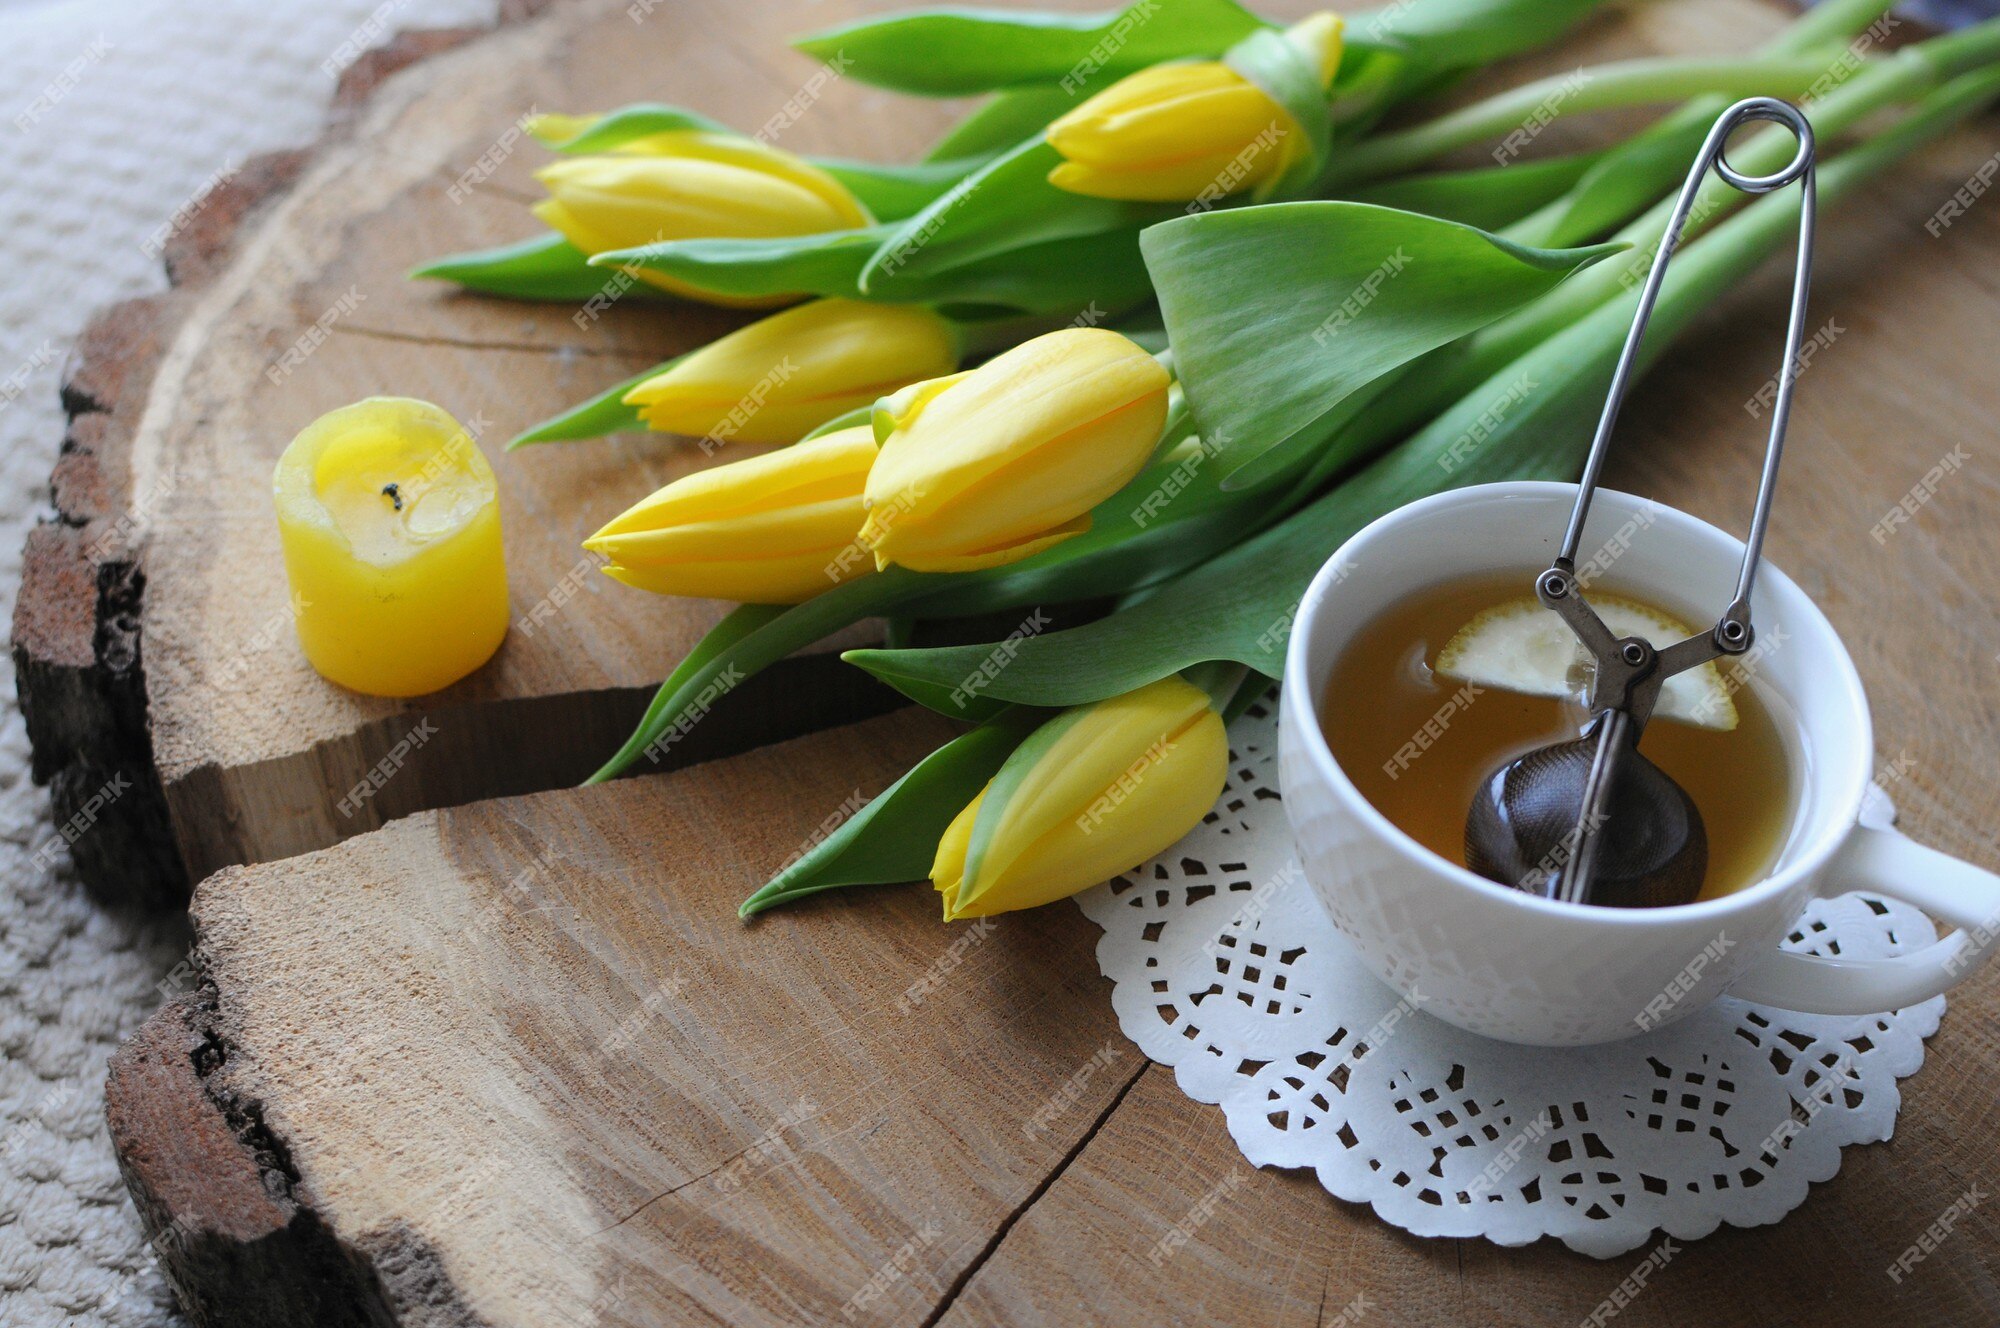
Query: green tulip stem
point(1826, 22)
point(1963, 51)
point(1624, 83)
point(1255, 687)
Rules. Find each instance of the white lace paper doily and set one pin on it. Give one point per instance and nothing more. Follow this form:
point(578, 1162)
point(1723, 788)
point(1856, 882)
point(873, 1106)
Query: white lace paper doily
point(1226, 968)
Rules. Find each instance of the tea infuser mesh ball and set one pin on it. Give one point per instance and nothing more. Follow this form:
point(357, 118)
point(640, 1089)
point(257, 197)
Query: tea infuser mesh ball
point(1592, 820)
point(1652, 849)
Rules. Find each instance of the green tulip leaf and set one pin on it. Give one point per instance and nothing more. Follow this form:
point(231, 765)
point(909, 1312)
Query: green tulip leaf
point(1278, 314)
point(1006, 205)
point(749, 640)
point(1088, 277)
point(547, 267)
point(614, 130)
point(957, 52)
point(891, 193)
point(1348, 433)
point(826, 263)
point(957, 701)
point(707, 673)
point(1462, 34)
point(894, 838)
point(1069, 275)
point(859, 415)
point(1622, 182)
point(1490, 197)
point(606, 413)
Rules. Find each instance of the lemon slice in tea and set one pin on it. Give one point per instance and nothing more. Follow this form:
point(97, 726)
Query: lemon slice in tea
point(1522, 647)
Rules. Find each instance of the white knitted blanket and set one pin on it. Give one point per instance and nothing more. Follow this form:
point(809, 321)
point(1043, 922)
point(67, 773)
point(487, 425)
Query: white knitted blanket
point(113, 114)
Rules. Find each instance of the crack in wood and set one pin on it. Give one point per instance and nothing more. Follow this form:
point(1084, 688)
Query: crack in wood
point(473, 343)
point(670, 1193)
point(489, 188)
point(1020, 1210)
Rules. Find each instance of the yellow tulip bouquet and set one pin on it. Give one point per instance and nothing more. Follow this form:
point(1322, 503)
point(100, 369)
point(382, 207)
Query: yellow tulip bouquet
point(1216, 319)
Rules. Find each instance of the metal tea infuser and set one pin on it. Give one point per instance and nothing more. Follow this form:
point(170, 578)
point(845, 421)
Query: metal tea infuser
point(1592, 820)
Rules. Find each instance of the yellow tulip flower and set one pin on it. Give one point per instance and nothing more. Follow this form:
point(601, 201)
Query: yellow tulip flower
point(772, 529)
point(1119, 783)
point(786, 375)
point(691, 185)
point(990, 466)
point(1178, 132)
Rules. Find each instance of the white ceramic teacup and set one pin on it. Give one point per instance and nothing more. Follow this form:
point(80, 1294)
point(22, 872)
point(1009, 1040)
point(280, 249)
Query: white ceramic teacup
point(1513, 966)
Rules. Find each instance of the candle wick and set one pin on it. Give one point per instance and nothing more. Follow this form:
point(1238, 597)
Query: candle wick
point(394, 494)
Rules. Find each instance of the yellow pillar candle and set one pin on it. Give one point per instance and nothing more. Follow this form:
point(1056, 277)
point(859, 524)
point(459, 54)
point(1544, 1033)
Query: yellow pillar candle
point(391, 525)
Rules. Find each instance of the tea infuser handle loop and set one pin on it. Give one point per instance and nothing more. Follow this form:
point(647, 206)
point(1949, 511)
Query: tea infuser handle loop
point(1732, 633)
point(1777, 112)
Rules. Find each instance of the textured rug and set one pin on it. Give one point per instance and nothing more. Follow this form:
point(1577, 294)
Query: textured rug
point(113, 115)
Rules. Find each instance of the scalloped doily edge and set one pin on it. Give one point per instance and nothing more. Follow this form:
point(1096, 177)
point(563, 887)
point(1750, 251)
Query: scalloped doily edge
point(1924, 1020)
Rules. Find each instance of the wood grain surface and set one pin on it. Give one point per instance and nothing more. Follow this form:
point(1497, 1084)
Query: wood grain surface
point(516, 1063)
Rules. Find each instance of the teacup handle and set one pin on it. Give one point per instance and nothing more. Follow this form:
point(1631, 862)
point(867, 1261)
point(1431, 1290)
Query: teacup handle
point(1885, 863)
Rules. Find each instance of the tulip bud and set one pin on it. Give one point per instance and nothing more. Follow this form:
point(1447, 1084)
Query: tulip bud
point(786, 375)
point(1176, 132)
point(1106, 787)
point(990, 466)
point(691, 185)
point(771, 529)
